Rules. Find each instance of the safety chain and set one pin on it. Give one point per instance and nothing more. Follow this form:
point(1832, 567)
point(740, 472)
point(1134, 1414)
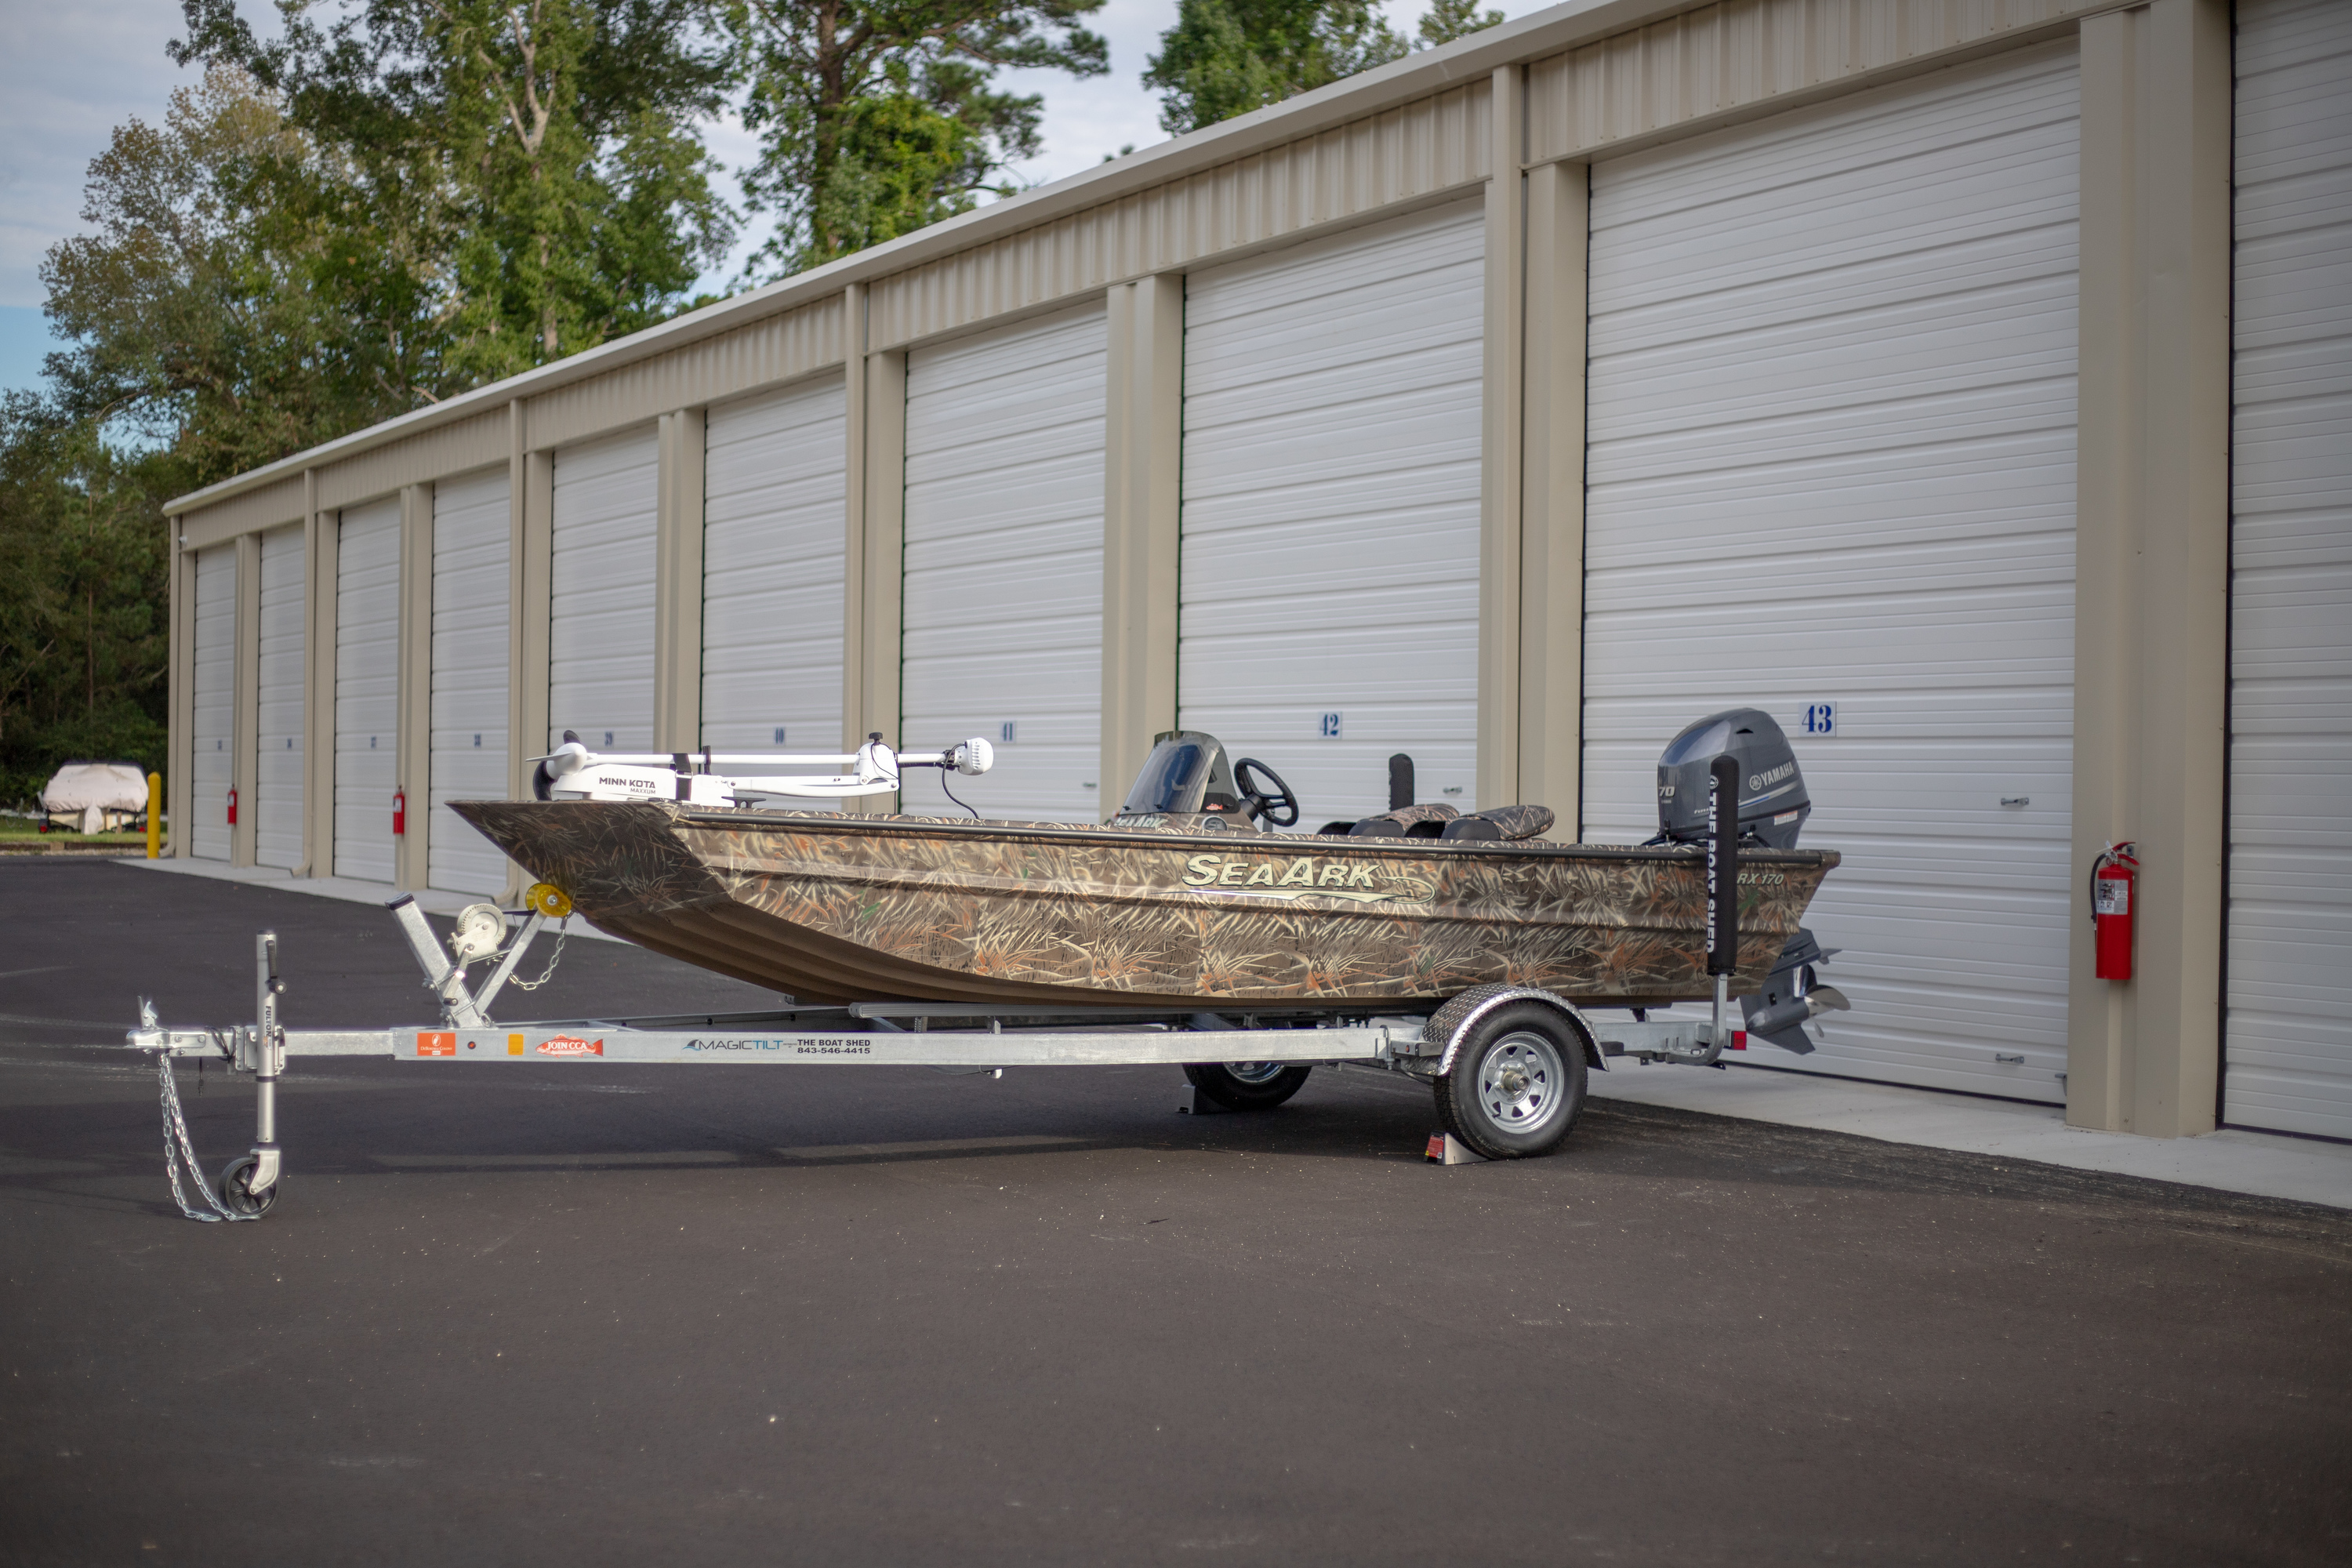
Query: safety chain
point(562, 935)
point(179, 1147)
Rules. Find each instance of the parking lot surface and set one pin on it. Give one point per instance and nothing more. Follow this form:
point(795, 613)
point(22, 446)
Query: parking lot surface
point(596, 1314)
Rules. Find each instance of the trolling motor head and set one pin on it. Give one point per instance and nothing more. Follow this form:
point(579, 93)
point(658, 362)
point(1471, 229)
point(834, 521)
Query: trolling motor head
point(1773, 805)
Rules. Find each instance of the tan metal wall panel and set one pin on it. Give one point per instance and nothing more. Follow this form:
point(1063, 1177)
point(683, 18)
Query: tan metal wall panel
point(248, 513)
point(775, 350)
point(1406, 154)
point(1741, 54)
point(418, 459)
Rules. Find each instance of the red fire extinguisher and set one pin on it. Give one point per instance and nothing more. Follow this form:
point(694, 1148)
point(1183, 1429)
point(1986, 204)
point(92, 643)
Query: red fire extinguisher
point(232, 808)
point(399, 812)
point(2114, 877)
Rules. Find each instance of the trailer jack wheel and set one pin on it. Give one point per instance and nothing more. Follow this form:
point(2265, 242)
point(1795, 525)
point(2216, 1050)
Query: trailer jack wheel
point(1246, 1086)
point(240, 1198)
point(1517, 1083)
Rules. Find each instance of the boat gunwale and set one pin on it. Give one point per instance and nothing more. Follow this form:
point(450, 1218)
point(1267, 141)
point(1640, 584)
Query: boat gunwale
point(1077, 832)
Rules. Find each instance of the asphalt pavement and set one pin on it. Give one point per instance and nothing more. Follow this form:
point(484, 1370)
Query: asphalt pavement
point(597, 1314)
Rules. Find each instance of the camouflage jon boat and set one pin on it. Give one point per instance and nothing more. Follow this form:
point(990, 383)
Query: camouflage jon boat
point(1155, 910)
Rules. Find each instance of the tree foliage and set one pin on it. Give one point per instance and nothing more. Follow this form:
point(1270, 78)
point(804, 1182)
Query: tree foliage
point(1226, 58)
point(877, 117)
point(539, 163)
point(82, 623)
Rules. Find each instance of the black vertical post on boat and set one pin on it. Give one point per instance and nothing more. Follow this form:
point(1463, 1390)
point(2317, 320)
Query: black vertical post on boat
point(1722, 884)
point(1401, 786)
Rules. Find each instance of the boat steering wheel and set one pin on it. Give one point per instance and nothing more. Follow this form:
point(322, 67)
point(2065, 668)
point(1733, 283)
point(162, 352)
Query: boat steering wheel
point(1279, 809)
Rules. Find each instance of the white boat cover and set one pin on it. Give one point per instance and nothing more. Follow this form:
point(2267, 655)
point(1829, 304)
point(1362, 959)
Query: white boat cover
point(90, 790)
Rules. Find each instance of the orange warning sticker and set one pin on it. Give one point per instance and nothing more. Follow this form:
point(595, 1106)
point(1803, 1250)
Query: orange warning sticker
point(430, 1045)
point(514, 1045)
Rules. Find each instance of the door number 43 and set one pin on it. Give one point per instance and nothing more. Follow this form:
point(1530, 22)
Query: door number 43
point(1820, 718)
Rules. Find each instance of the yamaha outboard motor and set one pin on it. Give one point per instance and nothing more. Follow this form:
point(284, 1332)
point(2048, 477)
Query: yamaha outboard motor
point(1773, 805)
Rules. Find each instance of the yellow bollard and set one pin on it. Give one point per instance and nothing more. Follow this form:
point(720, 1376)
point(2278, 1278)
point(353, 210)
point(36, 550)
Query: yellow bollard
point(154, 816)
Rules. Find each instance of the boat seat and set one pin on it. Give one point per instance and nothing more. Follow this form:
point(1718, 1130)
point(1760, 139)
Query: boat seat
point(1502, 822)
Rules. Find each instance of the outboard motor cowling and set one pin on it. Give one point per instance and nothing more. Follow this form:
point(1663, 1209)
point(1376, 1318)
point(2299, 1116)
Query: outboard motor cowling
point(1773, 805)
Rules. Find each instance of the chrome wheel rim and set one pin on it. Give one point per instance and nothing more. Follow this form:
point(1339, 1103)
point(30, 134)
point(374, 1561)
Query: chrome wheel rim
point(1522, 1082)
point(1255, 1072)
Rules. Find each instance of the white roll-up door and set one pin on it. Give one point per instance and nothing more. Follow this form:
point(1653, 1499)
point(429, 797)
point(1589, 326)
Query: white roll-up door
point(213, 722)
point(278, 780)
point(1330, 567)
point(775, 486)
point(471, 546)
point(1832, 469)
point(2289, 1049)
point(1004, 565)
point(367, 688)
point(600, 663)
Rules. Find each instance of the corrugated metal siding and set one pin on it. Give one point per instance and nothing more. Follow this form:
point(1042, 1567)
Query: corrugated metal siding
point(472, 544)
point(1832, 460)
point(1330, 556)
point(416, 460)
point(278, 780)
point(279, 501)
point(2290, 947)
point(785, 346)
point(1719, 59)
point(1406, 153)
point(213, 724)
point(601, 584)
point(367, 689)
point(774, 510)
point(1003, 565)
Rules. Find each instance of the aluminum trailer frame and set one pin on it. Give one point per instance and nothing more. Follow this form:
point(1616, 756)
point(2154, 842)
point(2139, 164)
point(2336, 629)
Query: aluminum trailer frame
point(870, 1034)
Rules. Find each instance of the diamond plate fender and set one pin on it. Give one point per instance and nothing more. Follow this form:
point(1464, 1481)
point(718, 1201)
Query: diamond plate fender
point(1451, 1023)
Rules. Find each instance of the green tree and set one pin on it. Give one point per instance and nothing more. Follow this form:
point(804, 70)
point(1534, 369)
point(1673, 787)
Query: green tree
point(540, 160)
point(1447, 20)
point(203, 307)
point(82, 624)
point(877, 117)
point(1226, 58)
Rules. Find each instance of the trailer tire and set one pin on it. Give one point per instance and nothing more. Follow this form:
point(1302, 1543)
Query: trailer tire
point(1246, 1086)
point(1517, 1083)
point(240, 1198)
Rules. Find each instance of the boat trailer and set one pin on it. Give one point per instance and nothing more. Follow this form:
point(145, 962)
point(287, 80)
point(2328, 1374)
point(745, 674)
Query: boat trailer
point(1506, 1063)
point(1252, 1053)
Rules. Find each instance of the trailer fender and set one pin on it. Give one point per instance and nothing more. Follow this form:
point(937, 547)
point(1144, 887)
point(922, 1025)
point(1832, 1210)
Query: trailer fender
point(1450, 1024)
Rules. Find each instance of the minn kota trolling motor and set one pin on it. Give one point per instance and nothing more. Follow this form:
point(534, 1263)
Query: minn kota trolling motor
point(1773, 806)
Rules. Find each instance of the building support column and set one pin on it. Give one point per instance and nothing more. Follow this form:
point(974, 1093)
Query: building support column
point(1142, 448)
point(1551, 542)
point(411, 738)
point(877, 564)
point(180, 706)
point(245, 767)
point(2151, 616)
point(677, 584)
point(1499, 521)
point(853, 515)
point(531, 511)
point(321, 542)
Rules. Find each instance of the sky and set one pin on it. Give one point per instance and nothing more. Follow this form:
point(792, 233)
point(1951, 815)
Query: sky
point(71, 72)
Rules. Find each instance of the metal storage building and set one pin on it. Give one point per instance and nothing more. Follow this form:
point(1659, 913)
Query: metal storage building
point(1966, 382)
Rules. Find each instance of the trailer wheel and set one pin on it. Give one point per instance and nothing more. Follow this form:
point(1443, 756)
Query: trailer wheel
point(1246, 1086)
point(1517, 1083)
point(240, 1198)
